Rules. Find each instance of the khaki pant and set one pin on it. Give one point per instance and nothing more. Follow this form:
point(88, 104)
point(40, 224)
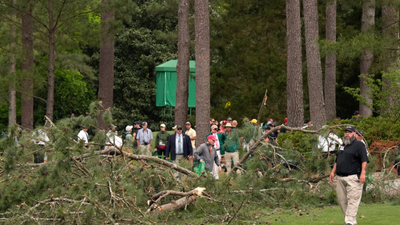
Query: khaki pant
point(144, 150)
point(177, 175)
point(231, 156)
point(215, 171)
point(349, 191)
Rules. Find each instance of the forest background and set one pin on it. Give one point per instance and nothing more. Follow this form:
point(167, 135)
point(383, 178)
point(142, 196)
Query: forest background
point(248, 55)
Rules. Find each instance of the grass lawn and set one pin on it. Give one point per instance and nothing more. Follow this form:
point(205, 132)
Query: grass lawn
point(370, 214)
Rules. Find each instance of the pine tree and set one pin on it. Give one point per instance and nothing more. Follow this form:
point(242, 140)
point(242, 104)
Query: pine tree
point(202, 52)
point(367, 23)
point(294, 86)
point(314, 71)
point(330, 62)
point(12, 102)
point(106, 69)
point(182, 69)
point(390, 16)
point(27, 67)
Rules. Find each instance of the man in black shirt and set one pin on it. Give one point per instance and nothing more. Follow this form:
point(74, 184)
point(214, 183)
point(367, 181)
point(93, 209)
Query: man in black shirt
point(350, 167)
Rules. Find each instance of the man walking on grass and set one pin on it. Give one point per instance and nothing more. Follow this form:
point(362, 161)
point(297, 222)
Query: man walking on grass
point(350, 167)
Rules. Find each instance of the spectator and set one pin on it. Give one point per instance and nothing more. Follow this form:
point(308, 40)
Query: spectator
point(231, 147)
point(229, 120)
point(307, 123)
point(174, 128)
point(234, 124)
point(136, 128)
point(356, 116)
point(217, 145)
point(206, 153)
point(192, 134)
point(161, 141)
point(283, 130)
point(144, 139)
point(40, 138)
point(253, 122)
point(222, 127)
point(180, 148)
point(83, 135)
point(128, 136)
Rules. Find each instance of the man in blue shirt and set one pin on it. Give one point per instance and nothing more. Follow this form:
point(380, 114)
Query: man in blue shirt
point(144, 139)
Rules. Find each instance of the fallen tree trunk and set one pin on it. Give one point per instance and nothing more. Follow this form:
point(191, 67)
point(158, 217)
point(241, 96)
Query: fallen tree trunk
point(188, 198)
point(264, 136)
point(129, 156)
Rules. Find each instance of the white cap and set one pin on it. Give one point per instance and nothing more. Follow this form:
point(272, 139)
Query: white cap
point(128, 128)
point(162, 125)
point(174, 127)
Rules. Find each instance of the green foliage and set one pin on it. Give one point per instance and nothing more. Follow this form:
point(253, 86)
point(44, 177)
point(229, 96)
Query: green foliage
point(380, 92)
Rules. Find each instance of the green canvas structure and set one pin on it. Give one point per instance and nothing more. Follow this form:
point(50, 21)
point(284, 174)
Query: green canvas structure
point(166, 84)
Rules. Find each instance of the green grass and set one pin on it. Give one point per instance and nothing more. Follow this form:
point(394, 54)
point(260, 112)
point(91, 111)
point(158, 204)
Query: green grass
point(370, 214)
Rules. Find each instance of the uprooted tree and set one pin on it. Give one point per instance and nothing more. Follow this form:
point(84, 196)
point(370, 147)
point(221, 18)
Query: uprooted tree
point(88, 184)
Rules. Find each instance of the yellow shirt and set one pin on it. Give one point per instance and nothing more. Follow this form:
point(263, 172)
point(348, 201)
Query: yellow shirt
point(192, 133)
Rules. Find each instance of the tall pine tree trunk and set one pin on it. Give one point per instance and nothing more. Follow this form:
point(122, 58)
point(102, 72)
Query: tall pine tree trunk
point(12, 105)
point(106, 76)
point(50, 66)
point(330, 62)
point(314, 71)
point(202, 53)
point(182, 69)
point(390, 16)
point(294, 86)
point(367, 22)
point(27, 68)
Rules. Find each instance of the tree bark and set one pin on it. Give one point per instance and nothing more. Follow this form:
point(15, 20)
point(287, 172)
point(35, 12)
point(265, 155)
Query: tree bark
point(367, 22)
point(182, 69)
point(390, 16)
point(27, 68)
point(202, 53)
point(106, 69)
point(294, 86)
point(12, 105)
point(50, 66)
point(330, 62)
point(314, 71)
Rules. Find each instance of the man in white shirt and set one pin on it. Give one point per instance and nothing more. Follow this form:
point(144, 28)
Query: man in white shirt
point(329, 143)
point(40, 138)
point(83, 135)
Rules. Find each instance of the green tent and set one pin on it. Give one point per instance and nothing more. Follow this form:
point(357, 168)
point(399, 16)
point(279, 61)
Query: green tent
point(166, 84)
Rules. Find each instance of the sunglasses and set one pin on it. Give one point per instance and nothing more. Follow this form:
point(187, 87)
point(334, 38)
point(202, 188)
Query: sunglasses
point(179, 128)
point(215, 129)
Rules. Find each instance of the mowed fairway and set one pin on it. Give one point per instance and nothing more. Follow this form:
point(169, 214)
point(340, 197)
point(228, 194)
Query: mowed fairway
point(370, 214)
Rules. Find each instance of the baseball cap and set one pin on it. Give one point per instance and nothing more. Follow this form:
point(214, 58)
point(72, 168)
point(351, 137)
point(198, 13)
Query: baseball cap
point(174, 127)
point(224, 122)
point(188, 123)
point(137, 122)
point(360, 132)
point(253, 121)
point(162, 125)
point(229, 119)
point(307, 120)
point(350, 128)
point(357, 112)
point(285, 120)
point(144, 123)
point(212, 137)
point(128, 128)
point(178, 127)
